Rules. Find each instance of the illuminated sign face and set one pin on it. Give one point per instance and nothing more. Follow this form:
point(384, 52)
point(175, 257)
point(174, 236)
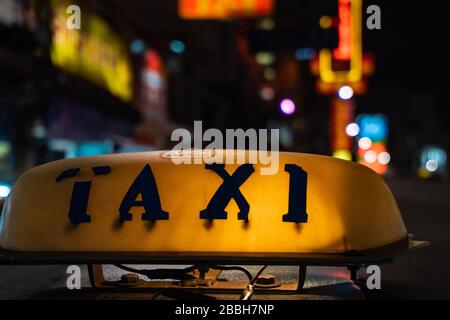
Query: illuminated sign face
point(224, 9)
point(143, 202)
point(94, 52)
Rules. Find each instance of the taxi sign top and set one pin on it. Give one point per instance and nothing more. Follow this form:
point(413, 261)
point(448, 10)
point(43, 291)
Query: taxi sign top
point(143, 202)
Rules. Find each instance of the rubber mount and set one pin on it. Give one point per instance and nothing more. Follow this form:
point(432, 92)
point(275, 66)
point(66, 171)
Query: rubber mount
point(267, 281)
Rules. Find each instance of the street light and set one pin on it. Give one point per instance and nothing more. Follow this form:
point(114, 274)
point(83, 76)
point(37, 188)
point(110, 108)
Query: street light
point(345, 93)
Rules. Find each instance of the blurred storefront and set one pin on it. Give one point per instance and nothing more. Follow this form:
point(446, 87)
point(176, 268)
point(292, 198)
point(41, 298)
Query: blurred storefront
point(75, 92)
point(19, 89)
point(94, 72)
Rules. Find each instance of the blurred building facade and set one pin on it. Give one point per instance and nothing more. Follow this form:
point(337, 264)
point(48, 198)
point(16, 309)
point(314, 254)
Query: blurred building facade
point(137, 70)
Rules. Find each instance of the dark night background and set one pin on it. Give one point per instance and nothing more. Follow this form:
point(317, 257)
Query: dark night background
point(216, 72)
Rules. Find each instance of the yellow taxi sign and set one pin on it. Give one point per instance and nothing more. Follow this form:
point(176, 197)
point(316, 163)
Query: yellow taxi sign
point(144, 202)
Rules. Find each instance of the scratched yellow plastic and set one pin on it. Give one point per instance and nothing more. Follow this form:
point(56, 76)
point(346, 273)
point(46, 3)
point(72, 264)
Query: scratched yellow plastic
point(349, 208)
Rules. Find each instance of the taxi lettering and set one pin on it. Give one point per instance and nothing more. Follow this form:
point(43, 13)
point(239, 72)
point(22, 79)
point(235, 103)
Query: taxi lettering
point(145, 186)
point(145, 189)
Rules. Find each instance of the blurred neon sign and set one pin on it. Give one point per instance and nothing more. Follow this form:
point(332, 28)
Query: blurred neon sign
point(341, 117)
point(94, 52)
point(349, 46)
point(152, 95)
point(224, 9)
point(344, 49)
point(373, 127)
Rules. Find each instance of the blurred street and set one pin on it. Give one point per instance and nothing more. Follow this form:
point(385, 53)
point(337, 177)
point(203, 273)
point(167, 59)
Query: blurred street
point(422, 275)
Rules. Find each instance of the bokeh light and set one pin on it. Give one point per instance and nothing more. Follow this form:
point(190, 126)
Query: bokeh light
point(370, 156)
point(4, 191)
point(267, 93)
point(287, 106)
point(345, 93)
point(269, 73)
point(265, 58)
point(384, 158)
point(365, 143)
point(137, 46)
point(352, 129)
point(432, 166)
point(325, 22)
point(177, 46)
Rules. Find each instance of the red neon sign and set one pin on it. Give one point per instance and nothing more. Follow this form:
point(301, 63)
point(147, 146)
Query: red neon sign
point(224, 9)
point(344, 49)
